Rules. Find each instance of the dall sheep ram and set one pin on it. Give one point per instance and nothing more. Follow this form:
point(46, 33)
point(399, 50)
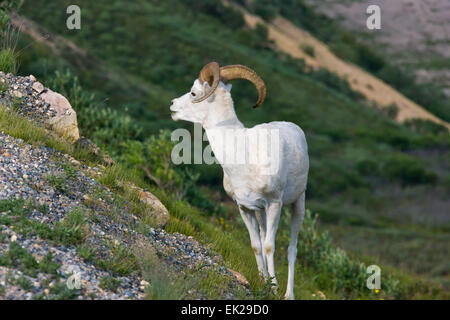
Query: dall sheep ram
point(259, 193)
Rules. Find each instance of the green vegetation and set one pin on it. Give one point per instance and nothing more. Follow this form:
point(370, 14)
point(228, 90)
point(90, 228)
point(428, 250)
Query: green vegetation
point(20, 258)
point(58, 182)
point(323, 266)
point(392, 246)
point(153, 157)
point(309, 50)
point(8, 61)
point(62, 292)
point(24, 283)
point(408, 170)
point(426, 127)
point(8, 39)
point(16, 256)
point(120, 261)
point(110, 283)
point(345, 45)
point(317, 254)
point(19, 127)
point(70, 231)
point(165, 283)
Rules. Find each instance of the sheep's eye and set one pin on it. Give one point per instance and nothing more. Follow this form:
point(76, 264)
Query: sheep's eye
point(193, 94)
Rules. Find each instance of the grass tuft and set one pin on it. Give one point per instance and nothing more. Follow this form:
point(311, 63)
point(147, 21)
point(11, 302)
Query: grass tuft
point(8, 61)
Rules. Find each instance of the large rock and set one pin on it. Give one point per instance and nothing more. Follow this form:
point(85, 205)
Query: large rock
point(65, 120)
point(158, 212)
point(240, 278)
point(31, 99)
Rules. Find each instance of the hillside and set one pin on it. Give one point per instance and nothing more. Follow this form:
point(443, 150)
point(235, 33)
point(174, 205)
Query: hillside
point(58, 218)
point(291, 39)
point(409, 52)
point(381, 188)
point(418, 40)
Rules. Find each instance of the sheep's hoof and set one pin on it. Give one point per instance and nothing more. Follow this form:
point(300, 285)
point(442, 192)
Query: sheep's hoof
point(289, 296)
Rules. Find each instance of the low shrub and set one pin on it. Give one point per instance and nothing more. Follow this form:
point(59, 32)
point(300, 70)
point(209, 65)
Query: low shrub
point(105, 126)
point(333, 81)
point(407, 170)
point(333, 268)
point(153, 158)
point(309, 50)
point(391, 111)
point(367, 167)
point(426, 127)
point(227, 15)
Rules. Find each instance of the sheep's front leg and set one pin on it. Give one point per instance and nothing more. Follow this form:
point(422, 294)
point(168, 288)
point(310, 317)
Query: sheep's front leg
point(272, 218)
point(252, 226)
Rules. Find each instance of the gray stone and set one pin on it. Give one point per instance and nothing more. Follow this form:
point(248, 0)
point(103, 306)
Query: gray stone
point(38, 87)
point(158, 211)
point(65, 120)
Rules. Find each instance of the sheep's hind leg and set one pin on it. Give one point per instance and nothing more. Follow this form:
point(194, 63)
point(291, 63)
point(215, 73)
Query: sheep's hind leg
point(298, 213)
point(252, 226)
point(273, 217)
point(261, 218)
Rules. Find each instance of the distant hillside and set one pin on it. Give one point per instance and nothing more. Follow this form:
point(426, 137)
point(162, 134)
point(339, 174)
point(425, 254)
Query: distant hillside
point(410, 52)
point(293, 40)
point(414, 33)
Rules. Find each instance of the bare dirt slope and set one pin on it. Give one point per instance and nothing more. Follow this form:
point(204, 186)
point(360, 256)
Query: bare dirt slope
point(290, 39)
point(415, 33)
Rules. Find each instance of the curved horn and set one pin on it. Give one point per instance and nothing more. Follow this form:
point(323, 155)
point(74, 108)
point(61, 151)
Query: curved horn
point(238, 71)
point(211, 74)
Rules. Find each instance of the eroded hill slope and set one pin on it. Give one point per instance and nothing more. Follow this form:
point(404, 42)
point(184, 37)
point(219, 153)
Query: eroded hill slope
point(290, 39)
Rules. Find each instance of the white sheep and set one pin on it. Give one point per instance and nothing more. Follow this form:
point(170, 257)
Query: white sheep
point(260, 194)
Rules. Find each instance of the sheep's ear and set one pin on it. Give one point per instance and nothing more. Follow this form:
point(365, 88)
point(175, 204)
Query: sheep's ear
point(228, 87)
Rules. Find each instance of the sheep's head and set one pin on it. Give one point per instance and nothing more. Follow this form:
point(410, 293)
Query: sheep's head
point(195, 105)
